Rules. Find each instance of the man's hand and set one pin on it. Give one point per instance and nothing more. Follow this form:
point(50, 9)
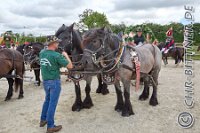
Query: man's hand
point(70, 65)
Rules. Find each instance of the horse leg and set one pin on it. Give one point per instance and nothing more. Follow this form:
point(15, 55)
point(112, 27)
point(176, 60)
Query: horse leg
point(104, 90)
point(166, 60)
point(78, 105)
point(87, 103)
point(37, 77)
point(10, 89)
point(103, 87)
point(120, 103)
point(177, 59)
point(100, 84)
point(21, 92)
point(145, 93)
point(127, 110)
point(153, 100)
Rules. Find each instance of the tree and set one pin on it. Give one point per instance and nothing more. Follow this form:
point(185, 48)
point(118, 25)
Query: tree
point(116, 28)
point(93, 19)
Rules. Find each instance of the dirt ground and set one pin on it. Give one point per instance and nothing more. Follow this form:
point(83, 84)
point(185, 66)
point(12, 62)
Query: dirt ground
point(22, 116)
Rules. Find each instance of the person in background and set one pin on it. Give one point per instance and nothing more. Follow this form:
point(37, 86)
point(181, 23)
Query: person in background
point(51, 62)
point(12, 44)
point(139, 38)
point(169, 41)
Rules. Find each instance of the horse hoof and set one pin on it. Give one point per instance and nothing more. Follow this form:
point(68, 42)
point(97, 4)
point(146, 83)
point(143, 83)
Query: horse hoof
point(143, 97)
point(7, 98)
point(127, 114)
point(104, 91)
point(98, 90)
point(77, 107)
point(153, 102)
point(20, 96)
point(119, 107)
point(87, 103)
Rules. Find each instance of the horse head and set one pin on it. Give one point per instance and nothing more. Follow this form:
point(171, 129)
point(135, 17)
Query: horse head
point(97, 45)
point(65, 33)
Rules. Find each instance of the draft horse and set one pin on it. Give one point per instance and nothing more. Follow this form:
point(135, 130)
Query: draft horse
point(12, 68)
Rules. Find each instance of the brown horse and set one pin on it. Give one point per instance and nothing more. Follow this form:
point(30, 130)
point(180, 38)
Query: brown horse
point(176, 53)
point(12, 68)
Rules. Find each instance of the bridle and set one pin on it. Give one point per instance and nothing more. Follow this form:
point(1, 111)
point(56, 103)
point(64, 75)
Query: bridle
point(70, 42)
point(99, 62)
point(33, 58)
point(95, 53)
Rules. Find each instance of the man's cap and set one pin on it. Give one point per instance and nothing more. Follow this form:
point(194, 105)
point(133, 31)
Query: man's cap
point(139, 29)
point(54, 40)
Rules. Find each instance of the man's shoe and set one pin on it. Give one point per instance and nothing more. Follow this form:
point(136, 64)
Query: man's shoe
point(43, 123)
point(54, 129)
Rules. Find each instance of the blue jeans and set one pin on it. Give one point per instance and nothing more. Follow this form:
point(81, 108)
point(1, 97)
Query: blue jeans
point(52, 90)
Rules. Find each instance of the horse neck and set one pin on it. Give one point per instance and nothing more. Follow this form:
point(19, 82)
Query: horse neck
point(76, 42)
point(113, 44)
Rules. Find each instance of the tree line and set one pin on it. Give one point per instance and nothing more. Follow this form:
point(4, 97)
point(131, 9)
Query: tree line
point(91, 19)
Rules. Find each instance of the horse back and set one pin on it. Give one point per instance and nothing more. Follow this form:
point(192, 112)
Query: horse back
point(150, 57)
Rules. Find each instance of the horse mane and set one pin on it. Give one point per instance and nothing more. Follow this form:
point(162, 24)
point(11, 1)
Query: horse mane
point(112, 38)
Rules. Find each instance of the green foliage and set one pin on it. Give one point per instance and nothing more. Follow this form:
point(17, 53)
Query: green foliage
point(21, 38)
point(93, 19)
point(116, 28)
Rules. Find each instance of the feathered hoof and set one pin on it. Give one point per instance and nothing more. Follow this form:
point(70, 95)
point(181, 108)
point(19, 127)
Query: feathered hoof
point(153, 102)
point(20, 97)
point(77, 107)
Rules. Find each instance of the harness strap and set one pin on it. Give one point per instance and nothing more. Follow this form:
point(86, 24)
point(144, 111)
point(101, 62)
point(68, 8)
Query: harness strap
point(136, 62)
point(137, 68)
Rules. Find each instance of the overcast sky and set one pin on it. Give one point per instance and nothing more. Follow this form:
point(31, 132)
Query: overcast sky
point(42, 17)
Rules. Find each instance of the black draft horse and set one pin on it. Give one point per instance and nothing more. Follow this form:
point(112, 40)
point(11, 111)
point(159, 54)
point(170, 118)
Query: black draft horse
point(12, 68)
point(71, 43)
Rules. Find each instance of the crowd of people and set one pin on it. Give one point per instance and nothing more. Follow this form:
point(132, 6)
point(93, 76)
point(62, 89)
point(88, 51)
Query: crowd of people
point(140, 38)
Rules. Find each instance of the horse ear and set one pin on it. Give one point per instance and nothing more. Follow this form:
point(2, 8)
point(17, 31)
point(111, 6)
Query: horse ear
point(103, 28)
point(71, 27)
point(60, 30)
